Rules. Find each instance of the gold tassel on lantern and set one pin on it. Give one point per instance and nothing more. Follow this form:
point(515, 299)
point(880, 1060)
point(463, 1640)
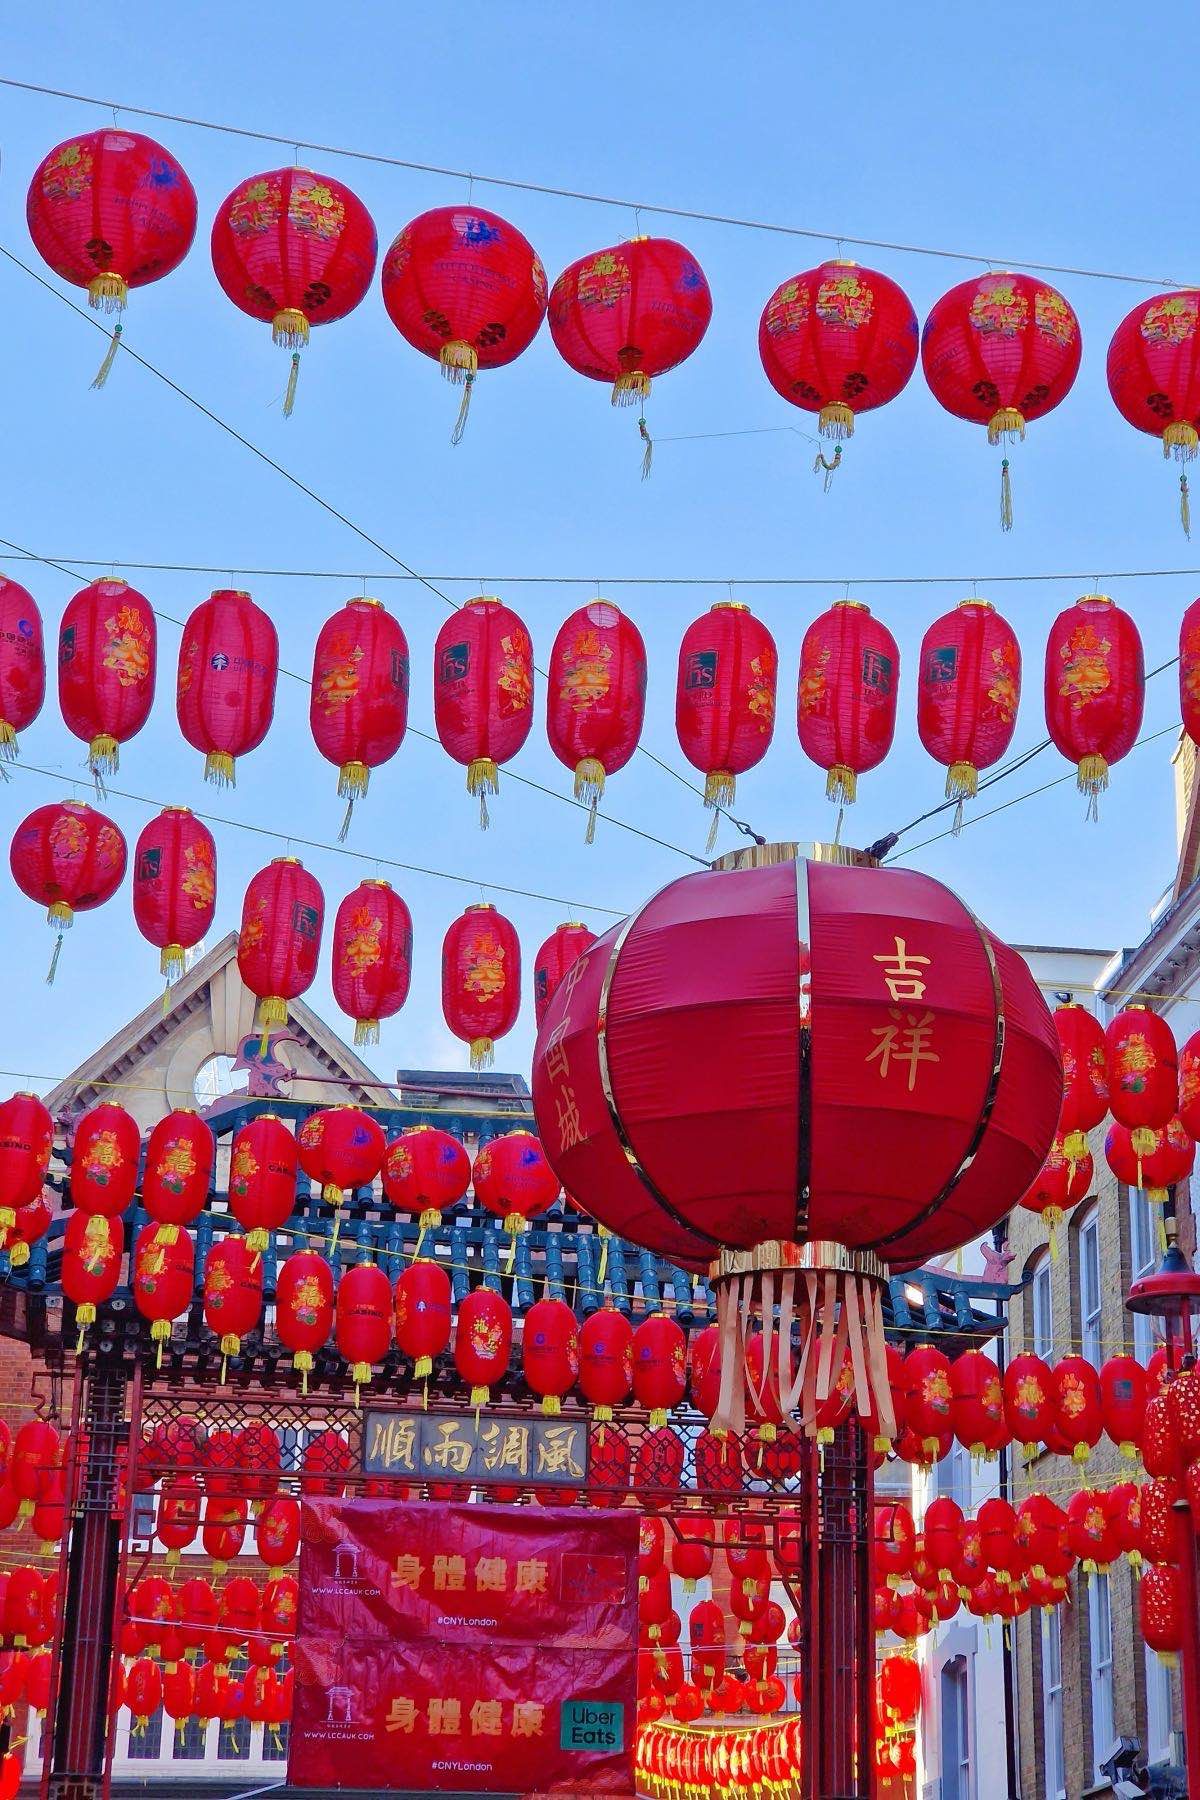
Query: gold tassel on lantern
point(483, 778)
point(303, 1360)
point(220, 769)
point(104, 755)
point(1181, 440)
point(1006, 513)
point(366, 1031)
point(836, 420)
point(459, 360)
point(1007, 424)
point(589, 790)
point(289, 327)
point(719, 789)
point(353, 781)
point(962, 783)
point(460, 424)
point(1185, 506)
point(108, 291)
point(841, 785)
point(648, 452)
point(8, 742)
point(630, 388)
point(1093, 779)
point(110, 357)
point(160, 1331)
point(482, 1053)
point(272, 1010)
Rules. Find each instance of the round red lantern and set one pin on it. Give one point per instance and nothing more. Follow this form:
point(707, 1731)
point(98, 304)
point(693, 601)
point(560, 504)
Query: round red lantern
point(1029, 1401)
point(178, 1170)
point(1161, 1612)
point(233, 1293)
point(1001, 350)
point(550, 1351)
point(606, 1361)
point(561, 950)
point(1151, 1159)
point(262, 1179)
point(280, 937)
point(423, 1313)
point(69, 859)
point(942, 1529)
point(143, 1693)
point(659, 1351)
point(691, 1548)
point(294, 249)
point(928, 1394)
point(1060, 1185)
point(1095, 688)
point(838, 340)
point(1123, 1401)
point(174, 885)
point(846, 697)
point(372, 956)
point(483, 691)
point(425, 1171)
point(481, 979)
point(163, 1274)
point(107, 649)
point(895, 1541)
point(104, 1160)
point(595, 698)
point(1090, 1533)
point(178, 1516)
point(1143, 1071)
point(22, 664)
point(340, 1148)
point(900, 1686)
point(466, 287)
point(1154, 375)
point(725, 699)
point(977, 1404)
point(482, 1341)
point(513, 1179)
point(359, 705)
point(91, 1263)
point(225, 686)
point(26, 1139)
point(304, 1308)
point(363, 1320)
point(1078, 1410)
point(969, 689)
point(1085, 1076)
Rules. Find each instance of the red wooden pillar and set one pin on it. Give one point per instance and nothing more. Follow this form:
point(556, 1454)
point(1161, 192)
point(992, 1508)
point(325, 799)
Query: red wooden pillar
point(837, 1629)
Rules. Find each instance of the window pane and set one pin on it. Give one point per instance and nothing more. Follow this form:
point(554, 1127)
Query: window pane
point(144, 1747)
point(1100, 1643)
point(1089, 1289)
point(189, 1743)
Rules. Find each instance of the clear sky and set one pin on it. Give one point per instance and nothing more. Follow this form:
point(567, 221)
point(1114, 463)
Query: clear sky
point(1025, 137)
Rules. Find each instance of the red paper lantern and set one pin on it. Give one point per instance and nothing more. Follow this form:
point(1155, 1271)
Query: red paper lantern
point(513, 1179)
point(26, 1139)
point(425, 1171)
point(174, 885)
point(846, 698)
point(900, 1686)
point(1085, 1076)
point(225, 687)
point(295, 249)
point(1095, 688)
point(1143, 1071)
point(838, 340)
point(1001, 1539)
point(372, 956)
point(659, 1351)
point(606, 1361)
point(1001, 350)
point(725, 698)
point(280, 1599)
point(595, 698)
point(143, 1693)
point(69, 859)
point(942, 1529)
point(22, 664)
point(178, 1516)
point(1077, 1406)
point(256, 1453)
point(363, 1320)
point(1183, 1408)
point(33, 1222)
point(280, 937)
point(233, 1293)
point(482, 1341)
point(1060, 1185)
point(423, 1314)
point(179, 1164)
point(1161, 1613)
point(692, 1548)
point(1160, 1436)
point(928, 1393)
point(104, 1160)
point(483, 691)
point(340, 1148)
point(107, 649)
point(969, 689)
point(1154, 1160)
point(1164, 1528)
point(481, 979)
point(304, 1308)
point(36, 1456)
point(1123, 1401)
point(1090, 1533)
point(1029, 1394)
point(93, 1246)
point(550, 1352)
point(1189, 669)
point(1189, 1086)
point(163, 1275)
point(977, 1403)
point(359, 705)
point(1154, 376)
point(895, 1540)
point(464, 286)
point(223, 1531)
point(262, 1179)
point(326, 1463)
point(561, 950)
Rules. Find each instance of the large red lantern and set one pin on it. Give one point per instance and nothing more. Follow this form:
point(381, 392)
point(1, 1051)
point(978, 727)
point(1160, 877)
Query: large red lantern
point(1060, 1185)
point(659, 1352)
point(280, 937)
point(1154, 376)
point(1001, 350)
point(358, 710)
point(513, 1179)
point(233, 1293)
point(178, 1517)
point(482, 1341)
point(91, 1264)
point(163, 1274)
point(725, 698)
point(294, 249)
point(1095, 688)
point(262, 1179)
point(846, 696)
point(481, 979)
point(304, 1308)
point(423, 1313)
point(174, 885)
point(969, 688)
point(22, 664)
point(179, 1164)
point(483, 691)
point(466, 287)
point(596, 698)
point(225, 686)
point(895, 1539)
point(1123, 1394)
point(341, 1148)
point(424, 1172)
point(1029, 1396)
point(1189, 1085)
point(977, 1403)
point(372, 956)
point(26, 1139)
point(900, 1686)
point(838, 340)
point(562, 948)
point(1143, 1071)
point(1078, 1411)
point(1090, 1530)
point(550, 1351)
point(1084, 1051)
point(605, 1361)
point(363, 1320)
point(69, 859)
point(690, 1120)
point(107, 650)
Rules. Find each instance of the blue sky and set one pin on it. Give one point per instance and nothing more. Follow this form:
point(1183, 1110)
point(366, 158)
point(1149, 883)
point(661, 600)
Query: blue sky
point(1025, 142)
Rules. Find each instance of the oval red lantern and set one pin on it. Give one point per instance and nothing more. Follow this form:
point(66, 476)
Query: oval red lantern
point(1164, 1527)
point(178, 1517)
point(1085, 1076)
point(32, 1224)
point(233, 1293)
point(1160, 1437)
point(1001, 350)
point(466, 287)
point(606, 1361)
point(372, 956)
point(900, 1686)
point(928, 1394)
point(1090, 1533)
point(26, 1139)
point(1029, 1401)
point(363, 1320)
point(107, 651)
point(482, 1342)
point(1183, 1408)
point(846, 697)
point(895, 1541)
point(1060, 1185)
point(481, 979)
point(1095, 689)
point(294, 249)
point(725, 699)
point(1150, 1159)
point(143, 1693)
point(942, 1529)
point(36, 1456)
point(340, 1148)
point(692, 1549)
point(280, 1599)
point(838, 340)
point(262, 1179)
point(423, 1314)
point(304, 1308)
point(68, 858)
point(1161, 1612)
point(163, 1275)
point(550, 1352)
point(223, 1531)
point(483, 691)
point(1077, 1405)
point(1143, 1071)
point(1123, 1395)
point(174, 885)
point(22, 664)
point(969, 689)
point(93, 1245)
point(225, 684)
point(595, 698)
point(977, 1404)
point(513, 1179)
point(104, 1160)
point(425, 1171)
point(1154, 375)
point(358, 711)
point(561, 950)
point(1189, 1086)
point(659, 1351)
point(177, 1173)
point(280, 937)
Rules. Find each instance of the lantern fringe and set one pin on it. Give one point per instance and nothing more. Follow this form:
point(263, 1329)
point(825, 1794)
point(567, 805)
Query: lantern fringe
point(720, 786)
point(171, 961)
point(604, 1234)
point(630, 388)
point(258, 1240)
point(110, 356)
point(289, 327)
point(822, 463)
point(483, 1053)
point(104, 756)
point(1052, 1218)
point(293, 382)
point(460, 424)
point(1181, 440)
point(220, 769)
point(303, 1360)
point(272, 1010)
point(836, 420)
point(18, 1256)
point(841, 785)
point(366, 1031)
point(551, 1405)
point(1185, 506)
point(459, 360)
point(648, 452)
point(1092, 781)
point(480, 1397)
point(1006, 512)
point(589, 791)
point(8, 742)
point(423, 1368)
point(230, 1344)
point(483, 778)
point(166, 1234)
point(53, 969)
point(1007, 424)
point(1075, 1147)
point(108, 291)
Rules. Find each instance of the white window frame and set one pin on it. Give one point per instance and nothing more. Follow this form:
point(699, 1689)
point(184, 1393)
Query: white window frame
point(1090, 1289)
point(952, 1476)
point(1100, 1651)
point(1158, 1709)
point(958, 1777)
point(1054, 1747)
point(1041, 1310)
point(1143, 1253)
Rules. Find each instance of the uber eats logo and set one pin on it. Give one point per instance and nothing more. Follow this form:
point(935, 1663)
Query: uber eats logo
point(592, 1725)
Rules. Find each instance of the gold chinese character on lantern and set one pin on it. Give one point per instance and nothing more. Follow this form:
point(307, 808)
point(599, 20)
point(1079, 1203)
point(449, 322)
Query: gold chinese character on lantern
point(902, 971)
point(907, 1042)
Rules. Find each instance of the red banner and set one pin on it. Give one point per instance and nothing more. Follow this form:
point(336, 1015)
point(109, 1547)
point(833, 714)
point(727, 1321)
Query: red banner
point(469, 1648)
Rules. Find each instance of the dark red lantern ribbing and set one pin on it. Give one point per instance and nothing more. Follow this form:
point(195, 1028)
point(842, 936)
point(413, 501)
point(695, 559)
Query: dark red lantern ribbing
point(1095, 688)
point(69, 859)
point(295, 249)
point(178, 1171)
point(968, 692)
point(262, 1179)
point(1154, 376)
point(233, 1293)
point(359, 706)
point(483, 1341)
point(483, 691)
point(280, 937)
point(846, 696)
point(174, 885)
point(304, 1308)
point(225, 686)
point(596, 697)
point(565, 945)
point(838, 340)
point(466, 287)
point(22, 664)
point(513, 1179)
point(107, 650)
point(372, 956)
point(162, 1281)
point(725, 698)
point(481, 979)
point(363, 1320)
